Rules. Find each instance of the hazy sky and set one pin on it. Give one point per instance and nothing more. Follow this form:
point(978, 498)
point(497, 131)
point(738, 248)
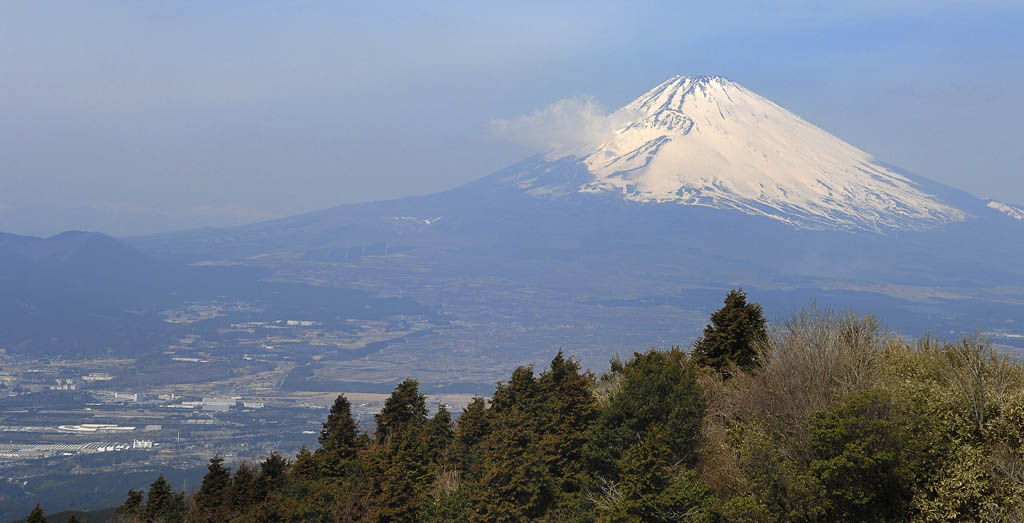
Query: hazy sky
point(134, 117)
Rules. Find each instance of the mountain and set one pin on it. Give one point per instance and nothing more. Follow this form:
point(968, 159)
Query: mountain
point(85, 293)
point(708, 141)
point(704, 186)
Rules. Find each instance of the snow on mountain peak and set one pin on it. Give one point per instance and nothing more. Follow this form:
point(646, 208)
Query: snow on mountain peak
point(708, 141)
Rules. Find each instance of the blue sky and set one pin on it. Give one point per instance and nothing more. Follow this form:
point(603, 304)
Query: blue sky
point(134, 117)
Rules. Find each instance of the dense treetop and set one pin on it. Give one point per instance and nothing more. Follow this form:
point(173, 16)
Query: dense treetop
point(824, 417)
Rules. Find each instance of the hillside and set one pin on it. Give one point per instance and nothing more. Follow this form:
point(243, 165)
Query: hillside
point(825, 417)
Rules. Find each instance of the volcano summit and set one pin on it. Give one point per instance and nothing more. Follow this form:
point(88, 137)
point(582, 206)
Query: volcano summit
point(709, 141)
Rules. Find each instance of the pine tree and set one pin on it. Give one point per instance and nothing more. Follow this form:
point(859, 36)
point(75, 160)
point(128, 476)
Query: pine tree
point(339, 435)
point(339, 439)
point(36, 516)
point(307, 465)
point(733, 335)
point(273, 470)
point(569, 409)
point(658, 390)
point(399, 473)
point(163, 504)
point(404, 407)
point(400, 468)
point(245, 491)
point(473, 427)
point(440, 434)
point(74, 519)
point(516, 481)
point(653, 488)
point(211, 498)
point(131, 509)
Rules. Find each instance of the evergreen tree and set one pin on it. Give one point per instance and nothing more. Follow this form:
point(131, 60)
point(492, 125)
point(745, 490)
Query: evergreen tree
point(245, 491)
point(440, 434)
point(516, 484)
point(307, 465)
point(340, 441)
point(568, 410)
point(733, 335)
point(211, 498)
point(339, 435)
point(74, 519)
point(473, 426)
point(404, 407)
point(658, 390)
point(163, 505)
point(400, 468)
point(36, 516)
point(652, 488)
point(863, 458)
point(400, 472)
point(273, 470)
point(131, 509)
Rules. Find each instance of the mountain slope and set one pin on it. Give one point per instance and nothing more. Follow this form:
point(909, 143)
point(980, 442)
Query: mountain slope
point(708, 141)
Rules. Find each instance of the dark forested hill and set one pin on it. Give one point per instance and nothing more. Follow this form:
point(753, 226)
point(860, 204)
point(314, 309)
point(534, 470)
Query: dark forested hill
point(823, 418)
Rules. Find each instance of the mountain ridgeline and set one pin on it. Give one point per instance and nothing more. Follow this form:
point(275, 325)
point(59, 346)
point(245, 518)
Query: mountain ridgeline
point(825, 417)
point(700, 174)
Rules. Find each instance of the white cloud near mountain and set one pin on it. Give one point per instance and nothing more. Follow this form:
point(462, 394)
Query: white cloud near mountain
point(568, 126)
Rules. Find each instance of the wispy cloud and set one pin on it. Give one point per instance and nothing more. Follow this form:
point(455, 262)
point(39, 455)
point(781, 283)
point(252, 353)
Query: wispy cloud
point(568, 126)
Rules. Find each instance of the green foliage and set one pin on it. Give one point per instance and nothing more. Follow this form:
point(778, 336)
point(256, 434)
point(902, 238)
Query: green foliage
point(860, 457)
point(210, 499)
point(733, 335)
point(473, 426)
point(36, 516)
point(340, 442)
point(567, 411)
point(339, 436)
point(400, 466)
point(131, 509)
point(516, 482)
point(840, 423)
point(653, 487)
point(440, 434)
point(163, 505)
point(658, 390)
point(405, 407)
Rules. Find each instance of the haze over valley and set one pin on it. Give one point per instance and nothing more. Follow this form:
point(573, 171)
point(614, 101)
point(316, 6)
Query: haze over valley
point(166, 338)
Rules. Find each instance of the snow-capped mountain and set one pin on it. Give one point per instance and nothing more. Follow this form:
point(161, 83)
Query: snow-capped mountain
point(708, 141)
point(1017, 213)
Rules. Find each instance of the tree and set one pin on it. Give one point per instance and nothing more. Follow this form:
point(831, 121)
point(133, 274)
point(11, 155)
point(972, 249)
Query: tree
point(658, 390)
point(440, 434)
point(474, 424)
point(211, 498)
point(405, 406)
point(340, 441)
point(516, 482)
point(74, 519)
point(273, 470)
point(163, 505)
point(399, 473)
point(568, 411)
point(245, 491)
point(653, 488)
point(131, 509)
point(733, 335)
point(340, 435)
point(861, 458)
point(399, 468)
point(36, 516)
